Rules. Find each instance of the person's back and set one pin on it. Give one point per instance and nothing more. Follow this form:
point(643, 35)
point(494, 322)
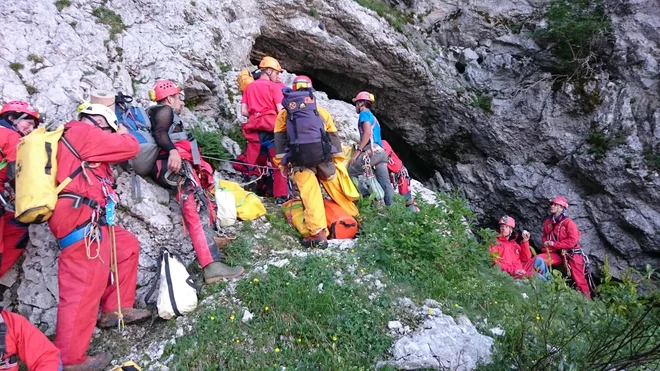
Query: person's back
point(262, 97)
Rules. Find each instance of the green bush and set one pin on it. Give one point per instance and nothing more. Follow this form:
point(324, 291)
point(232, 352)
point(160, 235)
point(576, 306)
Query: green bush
point(393, 16)
point(111, 19)
point(210, 145)
point(61, 4)
point(578, 32)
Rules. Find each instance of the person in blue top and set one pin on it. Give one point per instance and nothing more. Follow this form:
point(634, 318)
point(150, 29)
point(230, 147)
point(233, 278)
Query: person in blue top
point(370, 146)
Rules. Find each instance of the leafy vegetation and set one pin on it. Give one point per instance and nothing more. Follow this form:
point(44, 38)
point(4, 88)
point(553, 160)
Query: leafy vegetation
point(578, 33)
point(111, 19)
point(600, 143)
point(393, 16)
point(61, 4)
point(35, 58)
point(210, 145)
point(482, 101)
point(307, 318)
point(16, 66)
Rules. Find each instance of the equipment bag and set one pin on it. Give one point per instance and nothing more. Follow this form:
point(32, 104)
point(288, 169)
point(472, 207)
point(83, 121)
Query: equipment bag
point(248, 205)
point(244, 79)
point(309, 144)
point(226, 206)
point(177, 292)
point(374, 187)
point(340, 223)
point(36, 174)
point(127, 366)
point(294, 213)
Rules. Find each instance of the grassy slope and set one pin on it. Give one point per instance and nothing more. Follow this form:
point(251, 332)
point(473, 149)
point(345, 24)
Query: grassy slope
point(431, 254)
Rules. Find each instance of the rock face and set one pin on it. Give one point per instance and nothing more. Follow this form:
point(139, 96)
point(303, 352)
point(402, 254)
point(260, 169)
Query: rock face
point(426, 72)
point(439, 342)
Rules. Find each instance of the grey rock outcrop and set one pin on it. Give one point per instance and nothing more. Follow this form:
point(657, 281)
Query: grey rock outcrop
point(427, 73)
point(439, 342)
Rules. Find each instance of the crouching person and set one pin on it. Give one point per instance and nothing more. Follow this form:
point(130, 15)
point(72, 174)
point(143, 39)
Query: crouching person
point(84, 155)
point(180, 168)
point(306, 139)
point(21, 340)
point(515, 259)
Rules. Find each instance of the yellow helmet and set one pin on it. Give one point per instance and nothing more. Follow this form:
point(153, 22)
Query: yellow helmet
point(270, 62)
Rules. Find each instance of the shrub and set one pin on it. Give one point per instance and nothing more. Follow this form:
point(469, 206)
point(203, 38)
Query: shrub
point(578, 33)
point(61, 4)
point(111, 19)
point(16, 66)
point(210, 145)
point(393, 16)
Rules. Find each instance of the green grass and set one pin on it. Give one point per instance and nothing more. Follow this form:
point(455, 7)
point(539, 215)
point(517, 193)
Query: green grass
point(16, 66)
point(35, 58)
point(294, 325)
point(432, 254)
point(61, 4)
point(111, 19)
point(482, 101)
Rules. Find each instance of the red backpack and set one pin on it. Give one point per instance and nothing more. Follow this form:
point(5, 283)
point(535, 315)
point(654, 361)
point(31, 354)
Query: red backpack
point(340, 223)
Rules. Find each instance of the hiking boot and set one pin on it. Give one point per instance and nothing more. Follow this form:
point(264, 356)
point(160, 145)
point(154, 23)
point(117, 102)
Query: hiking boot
point(95, 363)
point(318, 240)
point(131, 315)
point(281, 200)
point(222, 242)
point(216, 271)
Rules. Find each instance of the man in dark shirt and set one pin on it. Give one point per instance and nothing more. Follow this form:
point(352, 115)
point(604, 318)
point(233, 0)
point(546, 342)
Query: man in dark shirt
point(180, 168)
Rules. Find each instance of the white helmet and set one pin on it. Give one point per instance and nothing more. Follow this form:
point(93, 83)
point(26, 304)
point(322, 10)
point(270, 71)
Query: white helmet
point(100, 110)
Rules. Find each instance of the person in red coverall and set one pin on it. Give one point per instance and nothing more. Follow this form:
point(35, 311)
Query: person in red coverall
point(84, 279)
point(399, 176)
point(180, 168)
point(261, 102)
point(17, 119)
point(560, 244)
point(23, 341)
point(514, 259)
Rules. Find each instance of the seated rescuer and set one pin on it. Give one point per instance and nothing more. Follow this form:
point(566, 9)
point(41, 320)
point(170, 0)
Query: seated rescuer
point(17, 119)
point(514, 259)
point(78, 222)
point(561, 245)
point(180, 168)
point(306, 140)
point(370, 148)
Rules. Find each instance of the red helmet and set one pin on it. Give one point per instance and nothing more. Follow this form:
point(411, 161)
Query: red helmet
point(301, 82)
point(364, 95)
point(163, 89)
point(18, 106)
point(507, 220)
point(561, 201)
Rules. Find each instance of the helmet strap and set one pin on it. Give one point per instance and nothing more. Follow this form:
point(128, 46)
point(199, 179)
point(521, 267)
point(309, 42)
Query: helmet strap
point(91, 118)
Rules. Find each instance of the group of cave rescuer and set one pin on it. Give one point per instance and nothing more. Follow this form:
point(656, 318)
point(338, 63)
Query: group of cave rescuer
point(95, 140)
point(561, 247)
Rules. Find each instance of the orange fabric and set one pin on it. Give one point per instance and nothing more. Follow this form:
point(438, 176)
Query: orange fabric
point(29, 344)
point(510, 256)
point(340, 223)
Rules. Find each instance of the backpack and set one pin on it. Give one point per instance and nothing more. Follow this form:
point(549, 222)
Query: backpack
point(226, 206)
point(244, 79)
point(248, 204)
point(340, 223)
point(294, 213)
point(309, 144)
point(177, 292)
point(138, 123)
point(36, 174)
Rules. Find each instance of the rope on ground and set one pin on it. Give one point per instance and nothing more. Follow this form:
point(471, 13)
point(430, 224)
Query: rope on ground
point(240, 163)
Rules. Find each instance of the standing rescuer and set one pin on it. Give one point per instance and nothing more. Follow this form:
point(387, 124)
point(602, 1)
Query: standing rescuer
point(261, 102)
point(17, 119)
point(78, 222)
point(516, 259)
point(180, 168)
point(370, 145)
point(560, 244)
point(306, 138)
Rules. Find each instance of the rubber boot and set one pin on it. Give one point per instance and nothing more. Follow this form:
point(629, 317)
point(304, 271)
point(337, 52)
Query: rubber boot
point(217, 271)
point(131, 315)
point(94, 363)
